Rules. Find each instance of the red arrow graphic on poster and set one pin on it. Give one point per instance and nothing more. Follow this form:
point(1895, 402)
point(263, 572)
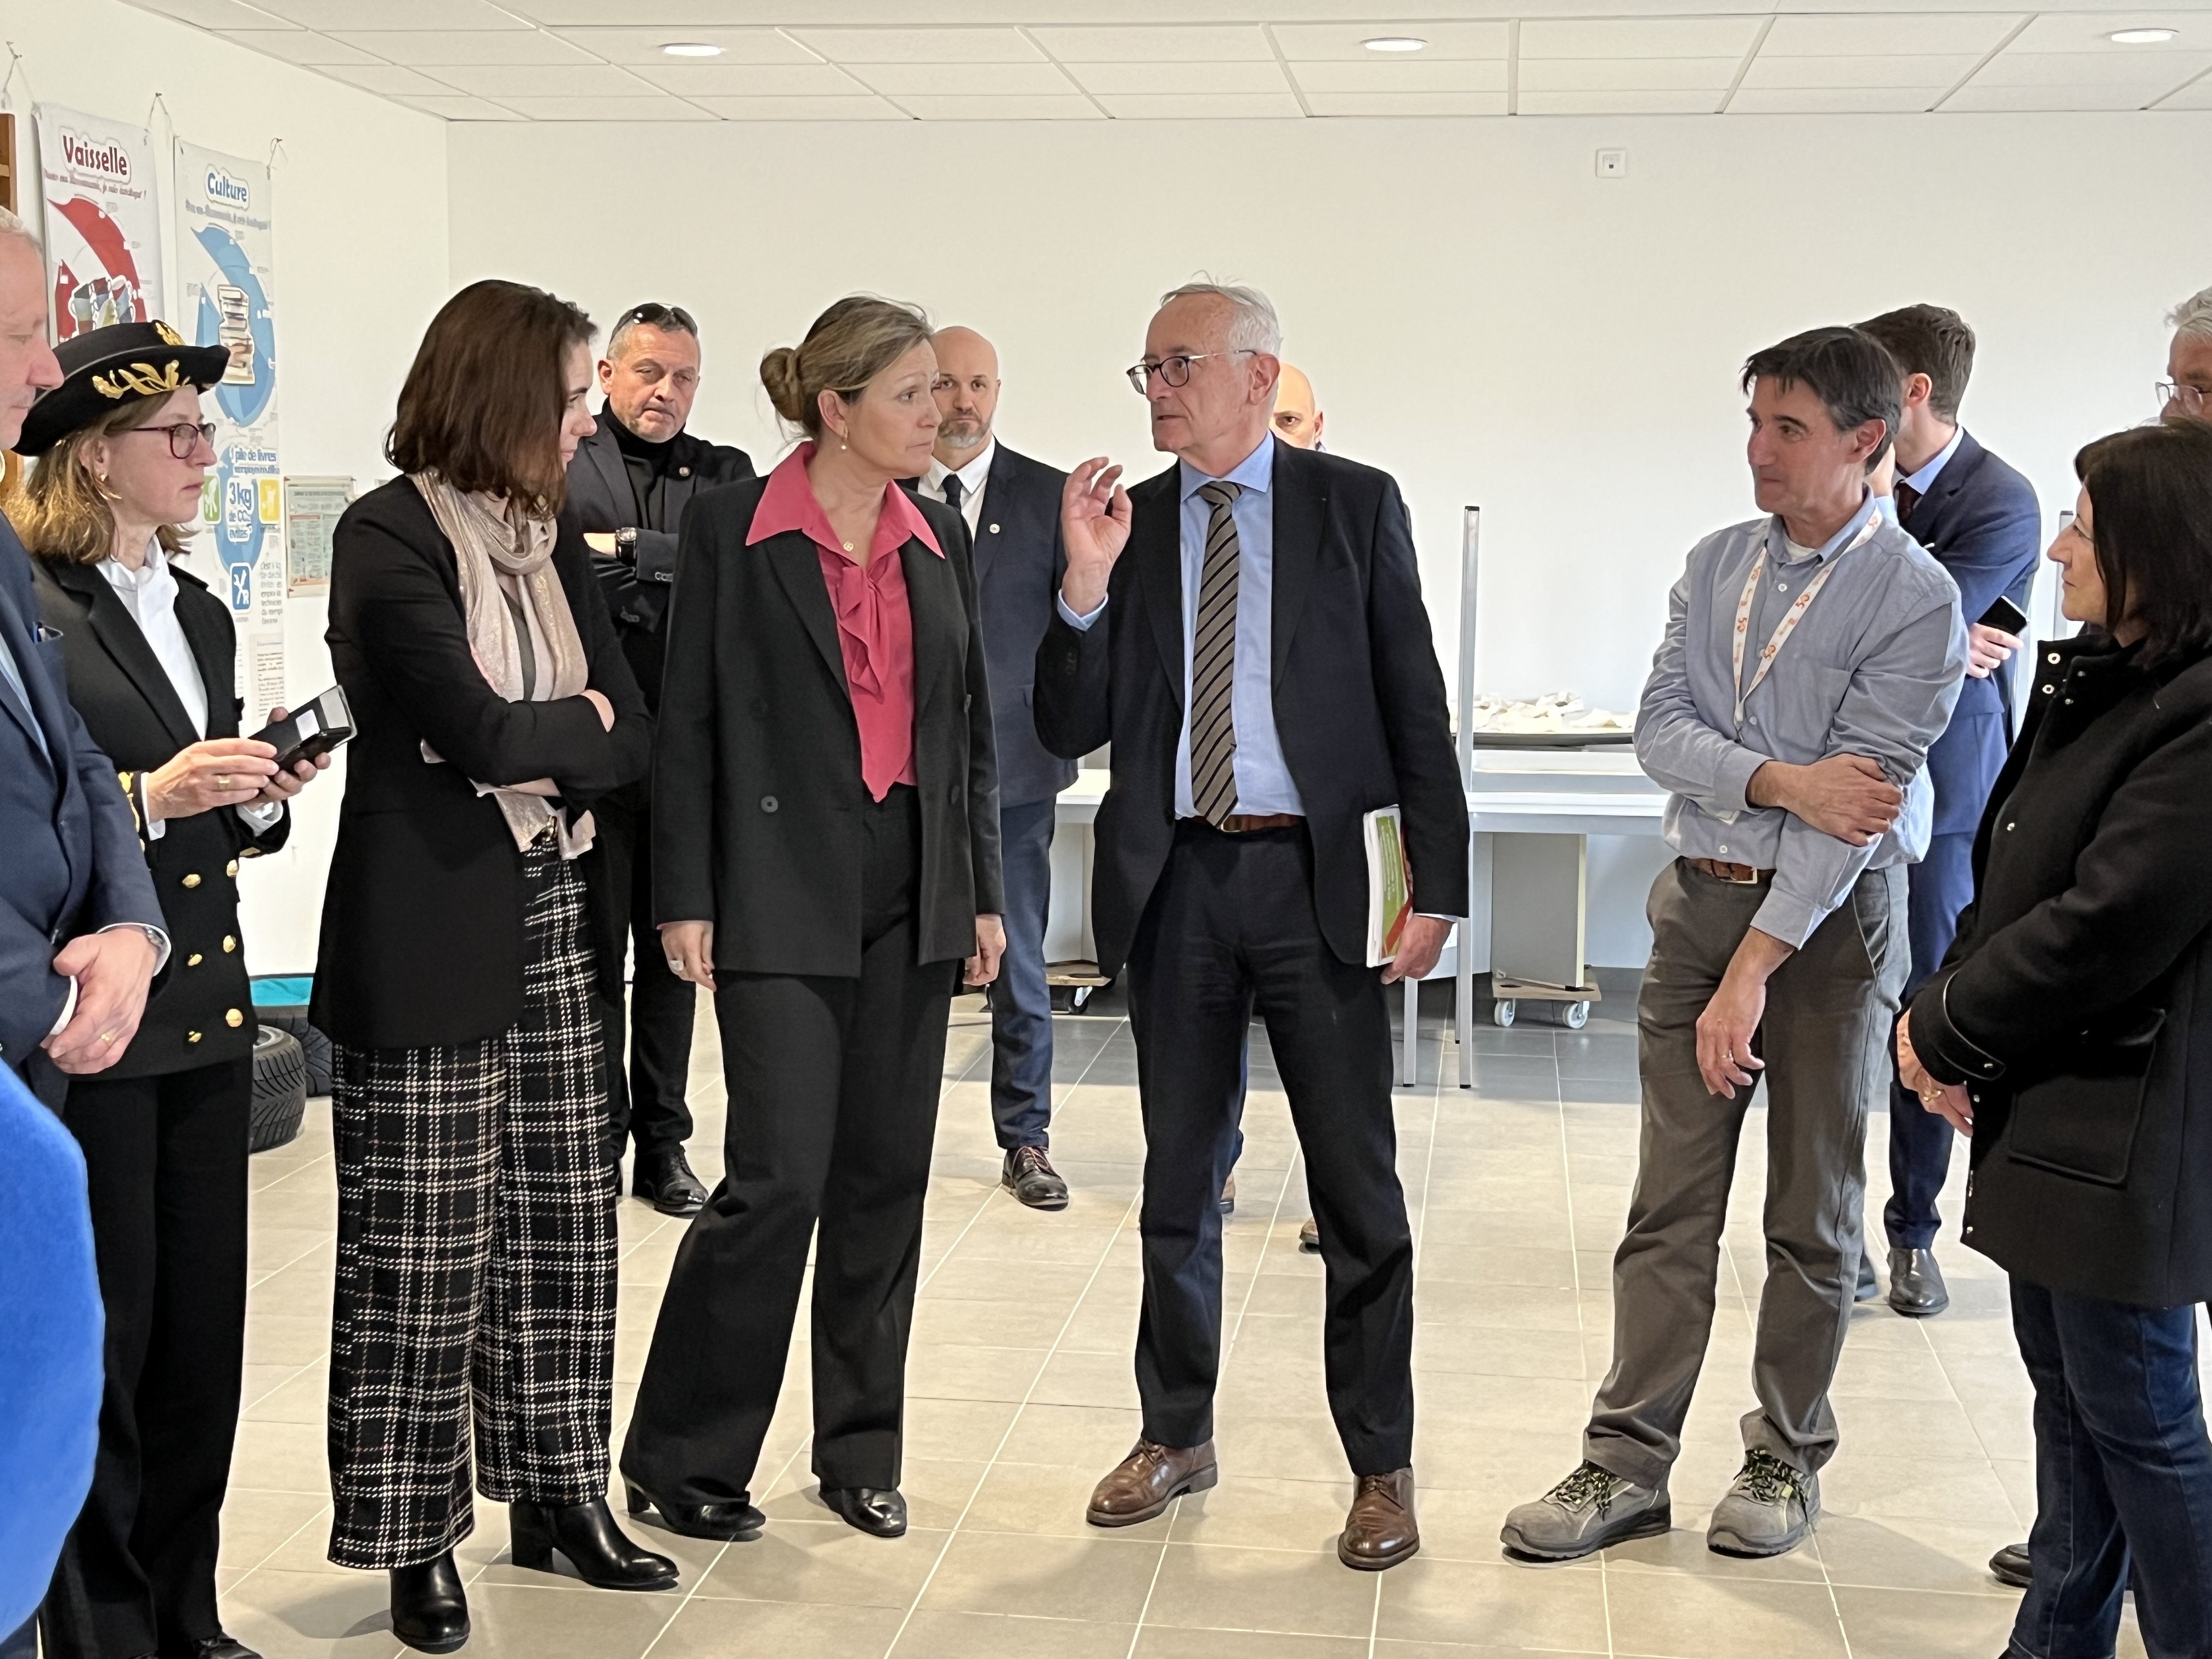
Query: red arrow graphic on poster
point(104, 237)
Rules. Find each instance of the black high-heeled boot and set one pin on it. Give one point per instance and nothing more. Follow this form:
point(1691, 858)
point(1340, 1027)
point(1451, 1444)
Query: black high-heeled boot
point(429, 1613)
point(602, 1555)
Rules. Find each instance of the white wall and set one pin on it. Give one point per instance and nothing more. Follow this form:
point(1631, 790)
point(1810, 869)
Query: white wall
point(360, 266)
point(1483, 316)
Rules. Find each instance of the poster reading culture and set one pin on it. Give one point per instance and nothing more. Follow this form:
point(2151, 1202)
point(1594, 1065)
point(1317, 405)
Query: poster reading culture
point(225, 258)
point(103, 228)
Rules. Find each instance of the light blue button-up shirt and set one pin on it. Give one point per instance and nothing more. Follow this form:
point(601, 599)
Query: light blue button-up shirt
point(1263, 780)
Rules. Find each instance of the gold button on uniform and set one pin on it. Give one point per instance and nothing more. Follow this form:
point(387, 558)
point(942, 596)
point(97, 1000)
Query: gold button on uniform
point(191, 1036)
point(193, 960)
point(232, 1019)
point(192, 880)
point(230, 944)
point(231, 868)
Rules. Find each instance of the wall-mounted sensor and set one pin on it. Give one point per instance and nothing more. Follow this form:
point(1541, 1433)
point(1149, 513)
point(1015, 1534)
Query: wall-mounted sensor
point(1612, 164)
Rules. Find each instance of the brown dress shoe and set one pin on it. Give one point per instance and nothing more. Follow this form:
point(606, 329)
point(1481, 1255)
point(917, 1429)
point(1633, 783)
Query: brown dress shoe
point(1381, 1531)
point(1310, 1236)
point(1148, 1479)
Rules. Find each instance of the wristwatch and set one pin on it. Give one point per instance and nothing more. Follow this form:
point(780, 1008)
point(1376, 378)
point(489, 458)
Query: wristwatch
point(626, 544)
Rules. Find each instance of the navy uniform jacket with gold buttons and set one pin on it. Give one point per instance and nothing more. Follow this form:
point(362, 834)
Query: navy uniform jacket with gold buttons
point(203, 1011)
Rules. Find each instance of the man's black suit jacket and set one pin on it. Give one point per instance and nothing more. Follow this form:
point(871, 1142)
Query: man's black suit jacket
point(1360, 700)
point(600, 496)
point(70, 861)
point(757, 800)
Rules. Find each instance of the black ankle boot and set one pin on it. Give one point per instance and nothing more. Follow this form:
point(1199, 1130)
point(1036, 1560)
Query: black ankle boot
point(429, 1613)
point(602, 1556)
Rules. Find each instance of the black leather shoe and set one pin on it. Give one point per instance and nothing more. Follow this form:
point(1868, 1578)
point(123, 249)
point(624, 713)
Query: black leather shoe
point(1917, 1288)
point(1228, 1194)
point(2010, 1565)
point(1870, 1285)
point(664, 1181)
point(429, 1613)
point(880, 1512)
point(602, 1556)
point(222, 1645)
point(738, 1520)
point(1029, 1177)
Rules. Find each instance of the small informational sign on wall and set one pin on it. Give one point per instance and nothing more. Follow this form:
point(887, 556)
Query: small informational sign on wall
point(103, 225)
point(313, 507)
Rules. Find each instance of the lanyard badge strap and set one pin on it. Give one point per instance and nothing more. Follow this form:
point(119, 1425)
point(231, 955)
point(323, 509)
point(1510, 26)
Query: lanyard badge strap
point(1790, 618)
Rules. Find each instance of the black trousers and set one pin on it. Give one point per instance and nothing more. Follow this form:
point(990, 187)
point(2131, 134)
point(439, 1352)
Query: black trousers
point(1231, 927)
point(647, 1104)
point(833, 1090)
point(165, 1164)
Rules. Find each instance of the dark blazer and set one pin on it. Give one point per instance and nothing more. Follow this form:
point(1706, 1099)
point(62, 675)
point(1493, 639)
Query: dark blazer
point(69, 858)
point(422, 928)
point(757, 787)
point(1981, 521)
point(599, 494)
point(203, 1011)
point(1359, 700)
point(2076, 1004)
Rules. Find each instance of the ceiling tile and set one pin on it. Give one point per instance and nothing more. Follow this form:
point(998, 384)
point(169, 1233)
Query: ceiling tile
point(1220, 106)
point(606, 109)
point(300, 47)
point(401, 14)
point(1898, 33)
point(981, 45)
point(2060, 31)
point(963, 79)
point(635, 45)
point(1598, 102)
point(457, 108)
point(750, 79)
point(1639, 37)
point(216, 14)
point(1068, 106)
point(1171, 44)
point(859, 107)
point(1398, 79)
point(1714, 75)
point(1179, 77)
point(421, 46)
point(1899, 71)
point(1320, 42)
point(390, 80)
point(2082, 69)
point(1831, 100)
point(544, 80)
point(1407, 103)
point(2054, 99)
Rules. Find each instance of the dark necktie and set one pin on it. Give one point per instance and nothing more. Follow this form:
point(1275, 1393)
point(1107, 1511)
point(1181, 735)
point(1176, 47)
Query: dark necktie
point(954, 489)
point(1907, 499)
point(1213, 662)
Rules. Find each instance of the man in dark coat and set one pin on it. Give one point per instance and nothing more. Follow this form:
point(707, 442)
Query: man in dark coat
point(629, 485)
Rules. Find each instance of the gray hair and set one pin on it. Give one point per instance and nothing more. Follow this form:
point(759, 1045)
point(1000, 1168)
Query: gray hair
point(2193, 316)
point(12, 226)
point(1253, 325)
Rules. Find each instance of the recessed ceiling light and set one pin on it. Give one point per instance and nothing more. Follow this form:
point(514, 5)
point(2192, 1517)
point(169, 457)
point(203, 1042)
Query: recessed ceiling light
point(2141, 37)
point(691, 49)
point(1394, 43)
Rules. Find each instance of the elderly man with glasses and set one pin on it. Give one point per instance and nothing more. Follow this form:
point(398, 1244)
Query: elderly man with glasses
point(629, 485)
point(2186, 391)
point(1246, 628)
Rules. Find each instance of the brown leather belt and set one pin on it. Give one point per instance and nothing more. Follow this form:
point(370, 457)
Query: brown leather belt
point(1740, 875)
point(1240, 823)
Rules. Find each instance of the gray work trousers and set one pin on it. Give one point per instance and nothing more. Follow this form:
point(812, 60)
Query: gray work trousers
point(1829, 1008)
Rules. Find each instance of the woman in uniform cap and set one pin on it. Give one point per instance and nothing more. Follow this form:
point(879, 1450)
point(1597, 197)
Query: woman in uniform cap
point(121, 452)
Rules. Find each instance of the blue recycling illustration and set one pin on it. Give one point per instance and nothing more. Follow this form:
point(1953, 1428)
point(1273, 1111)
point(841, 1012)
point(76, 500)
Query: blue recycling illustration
point(234, 503)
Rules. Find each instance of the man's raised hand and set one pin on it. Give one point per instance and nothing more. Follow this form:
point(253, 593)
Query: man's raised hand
point(1094, 521)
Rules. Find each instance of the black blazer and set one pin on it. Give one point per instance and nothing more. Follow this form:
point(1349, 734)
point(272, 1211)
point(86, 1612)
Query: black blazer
point(757, 787)
point(599, 494)
point(203, 1011)
point(2076, 1004)
point(1359, 700)
point(423, 928)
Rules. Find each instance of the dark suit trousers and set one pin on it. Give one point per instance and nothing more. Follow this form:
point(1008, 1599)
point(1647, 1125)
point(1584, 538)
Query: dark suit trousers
point(1021, 1001)
point(1232, 927)
point(165, 1163)
point(1938, 888)
point(833, 1090)
point(649, 1107)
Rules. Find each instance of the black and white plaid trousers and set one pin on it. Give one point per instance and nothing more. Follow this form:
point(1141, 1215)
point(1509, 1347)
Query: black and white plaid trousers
point(477, 1260)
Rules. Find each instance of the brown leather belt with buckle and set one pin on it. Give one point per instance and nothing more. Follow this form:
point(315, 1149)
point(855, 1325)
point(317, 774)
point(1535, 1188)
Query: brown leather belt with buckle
point(1241, 824)
point(1740, 875)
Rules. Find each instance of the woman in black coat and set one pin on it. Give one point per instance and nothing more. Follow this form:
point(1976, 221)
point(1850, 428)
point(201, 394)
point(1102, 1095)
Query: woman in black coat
point(151, 657)
point(477, 1249)
point(2069, 1032)
point(826, 856)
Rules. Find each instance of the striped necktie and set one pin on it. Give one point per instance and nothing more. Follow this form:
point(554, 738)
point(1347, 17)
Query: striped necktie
point(1213, 662)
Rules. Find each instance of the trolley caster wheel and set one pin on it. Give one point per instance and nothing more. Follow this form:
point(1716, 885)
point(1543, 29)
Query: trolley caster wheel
point(1502, 1011)
point(1575, 1015)
point(1079, 996)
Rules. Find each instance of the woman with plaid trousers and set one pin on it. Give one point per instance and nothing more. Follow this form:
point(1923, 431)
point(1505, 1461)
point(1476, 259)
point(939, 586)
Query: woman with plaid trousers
point(473, 1338)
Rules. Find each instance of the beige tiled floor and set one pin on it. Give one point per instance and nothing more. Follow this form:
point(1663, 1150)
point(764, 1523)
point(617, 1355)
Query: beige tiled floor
point(1021, 1396)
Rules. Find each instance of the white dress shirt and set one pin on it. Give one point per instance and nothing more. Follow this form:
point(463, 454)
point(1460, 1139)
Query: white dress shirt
point(973, 477)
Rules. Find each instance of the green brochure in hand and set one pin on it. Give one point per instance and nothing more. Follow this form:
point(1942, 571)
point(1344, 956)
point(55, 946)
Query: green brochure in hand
point(1389, 883)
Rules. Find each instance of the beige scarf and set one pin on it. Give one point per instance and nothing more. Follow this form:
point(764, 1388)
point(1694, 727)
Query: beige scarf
point(491, 540)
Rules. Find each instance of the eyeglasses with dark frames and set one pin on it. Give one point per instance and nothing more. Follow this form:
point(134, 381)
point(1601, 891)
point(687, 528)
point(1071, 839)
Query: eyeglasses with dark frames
point(184, 437)
point(653, 314)
point(1174, 370)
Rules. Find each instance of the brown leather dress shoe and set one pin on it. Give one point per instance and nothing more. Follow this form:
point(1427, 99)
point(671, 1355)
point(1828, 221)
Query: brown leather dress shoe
point(1148, 1479)
point(1381, 1531)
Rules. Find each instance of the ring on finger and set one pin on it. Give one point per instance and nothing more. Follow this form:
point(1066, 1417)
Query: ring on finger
point(222, 780)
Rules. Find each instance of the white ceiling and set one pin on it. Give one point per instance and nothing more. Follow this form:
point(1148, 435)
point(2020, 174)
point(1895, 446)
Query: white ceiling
point(892, 60)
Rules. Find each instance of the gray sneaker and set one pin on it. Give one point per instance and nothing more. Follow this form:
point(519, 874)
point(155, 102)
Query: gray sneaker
point(1770, 1511)
point(1591, 1510)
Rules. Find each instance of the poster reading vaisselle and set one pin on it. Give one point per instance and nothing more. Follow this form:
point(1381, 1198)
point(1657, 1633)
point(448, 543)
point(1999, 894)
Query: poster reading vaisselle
point(225, 266)
point(103, 228)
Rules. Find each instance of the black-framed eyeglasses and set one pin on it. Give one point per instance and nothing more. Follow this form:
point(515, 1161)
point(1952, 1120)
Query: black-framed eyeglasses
point(2191, 399)
point(184, 437)
point(1175, 370)
point(653, 314)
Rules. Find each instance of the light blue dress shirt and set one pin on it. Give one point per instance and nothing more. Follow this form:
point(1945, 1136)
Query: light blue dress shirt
point(13, 676)
point(1924, 480)
point(1263, 780)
